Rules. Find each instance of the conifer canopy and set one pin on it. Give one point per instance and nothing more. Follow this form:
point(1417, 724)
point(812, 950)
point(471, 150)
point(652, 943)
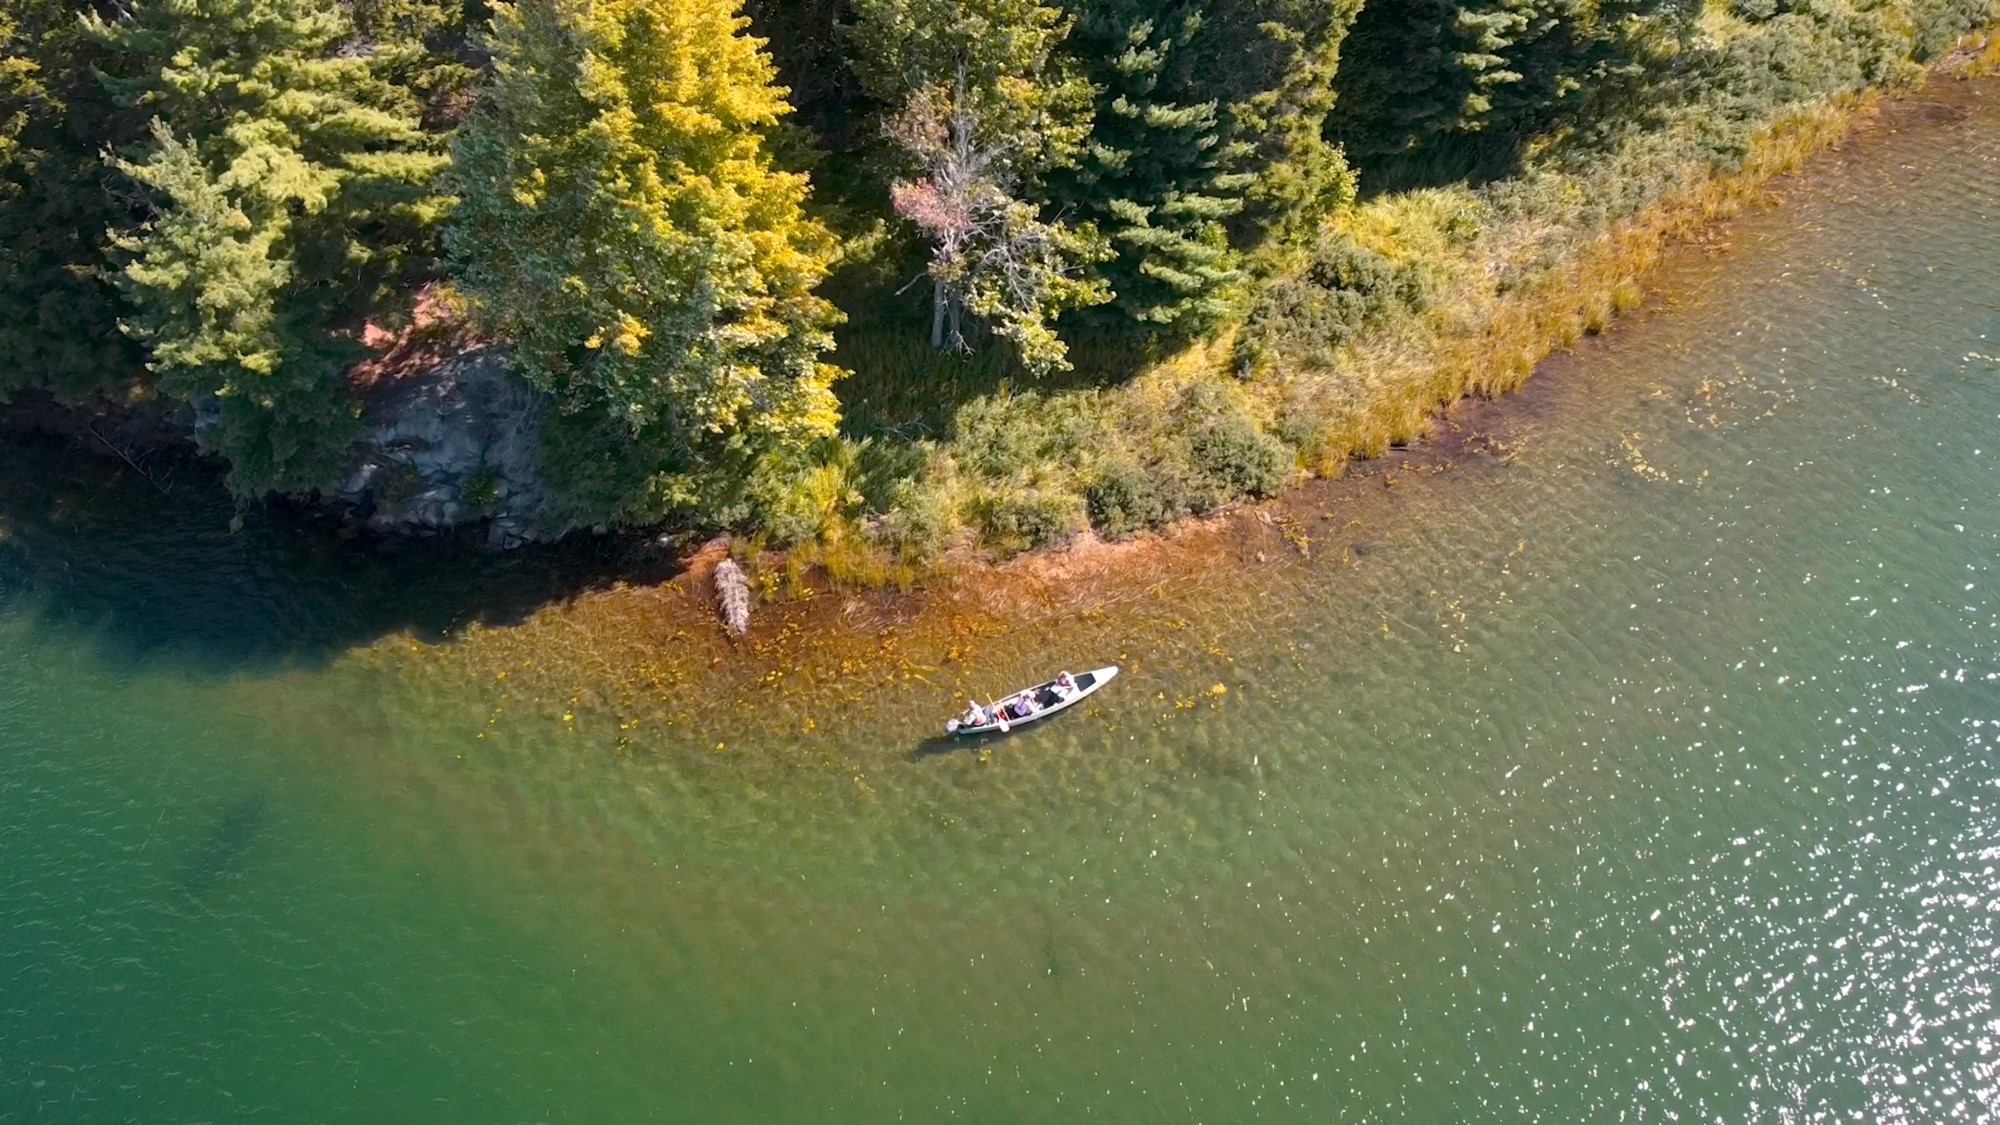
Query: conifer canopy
point(623, 227)
point(290, 191)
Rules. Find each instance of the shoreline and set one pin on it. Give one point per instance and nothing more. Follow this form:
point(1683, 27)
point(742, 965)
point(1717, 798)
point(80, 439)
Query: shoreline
point(629, 653)
point(632, 662)
point(1529, 285)
point(1587, 296)
point(649, 657)
point(1412, 371)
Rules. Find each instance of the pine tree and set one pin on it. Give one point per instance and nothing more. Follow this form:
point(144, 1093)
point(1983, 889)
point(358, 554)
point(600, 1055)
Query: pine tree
point(58, 317)
point(1269, 65)
point(1437, 90)
point(1404, 83)
point(20, 89)
point(624, 229)
point(812, 56)
point(292, 193)
point(1028, 97)
point(427, 46)
point(1151, 175)
point(1583, 61)
point(992, 254)
point(988, 109)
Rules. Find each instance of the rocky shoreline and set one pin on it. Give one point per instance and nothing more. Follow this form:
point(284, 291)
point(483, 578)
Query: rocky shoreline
point(450, 446)
point(457, 444)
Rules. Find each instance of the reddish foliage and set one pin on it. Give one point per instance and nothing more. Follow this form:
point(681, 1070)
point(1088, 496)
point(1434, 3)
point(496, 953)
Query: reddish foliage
point(437, 330)
point(934, 210)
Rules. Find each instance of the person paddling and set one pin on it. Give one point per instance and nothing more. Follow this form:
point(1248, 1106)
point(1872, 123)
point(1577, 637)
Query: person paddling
point(1028, 705)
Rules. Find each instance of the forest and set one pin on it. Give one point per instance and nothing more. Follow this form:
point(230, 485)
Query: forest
point(875, 277)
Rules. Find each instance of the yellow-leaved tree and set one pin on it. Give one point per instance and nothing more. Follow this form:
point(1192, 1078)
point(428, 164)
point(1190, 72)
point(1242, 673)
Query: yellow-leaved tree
point(624, 230)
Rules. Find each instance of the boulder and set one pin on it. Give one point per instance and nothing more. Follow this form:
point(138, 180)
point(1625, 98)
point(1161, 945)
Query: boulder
point(454, 444)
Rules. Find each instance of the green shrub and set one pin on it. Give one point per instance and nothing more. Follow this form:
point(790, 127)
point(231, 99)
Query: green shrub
point(1305, 317)
point(1007, 436)
point(1241, 459)
point(1123, 500)
point(920, 518)
point(1024, 457)
point(1032, 517)
point(882, 465)
point(796, 496)
point(1937, 24)
point(1215, 453)
point(481, 488)
point(1812, 49)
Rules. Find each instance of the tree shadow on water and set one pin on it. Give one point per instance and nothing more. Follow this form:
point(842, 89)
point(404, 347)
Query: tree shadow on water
point(152, 575)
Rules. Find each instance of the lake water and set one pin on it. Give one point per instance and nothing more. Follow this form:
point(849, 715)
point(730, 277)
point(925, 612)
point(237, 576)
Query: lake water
point(1637, 763)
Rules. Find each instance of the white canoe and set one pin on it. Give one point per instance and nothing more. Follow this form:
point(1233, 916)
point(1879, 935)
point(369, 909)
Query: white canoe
point(1086, 683)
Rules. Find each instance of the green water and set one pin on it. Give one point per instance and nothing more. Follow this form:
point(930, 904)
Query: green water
point(1638, 767)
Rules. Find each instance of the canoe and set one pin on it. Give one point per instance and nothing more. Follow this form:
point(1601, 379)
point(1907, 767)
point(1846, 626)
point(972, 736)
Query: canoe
point(1086, 684)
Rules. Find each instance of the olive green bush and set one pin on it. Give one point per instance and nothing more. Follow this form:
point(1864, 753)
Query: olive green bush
point(1123, 500)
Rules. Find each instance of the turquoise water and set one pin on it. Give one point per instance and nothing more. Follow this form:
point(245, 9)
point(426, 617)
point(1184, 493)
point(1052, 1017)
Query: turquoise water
point(1637, 765)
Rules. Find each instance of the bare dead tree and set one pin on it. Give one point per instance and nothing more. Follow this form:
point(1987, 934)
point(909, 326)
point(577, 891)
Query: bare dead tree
point(130, 462)
point(992, 255)
point(953, 203)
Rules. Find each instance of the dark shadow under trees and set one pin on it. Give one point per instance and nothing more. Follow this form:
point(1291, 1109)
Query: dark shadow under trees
point(149, 573)
point(900, 386)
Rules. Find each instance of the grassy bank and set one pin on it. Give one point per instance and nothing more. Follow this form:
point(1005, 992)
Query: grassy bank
point(1406, 303)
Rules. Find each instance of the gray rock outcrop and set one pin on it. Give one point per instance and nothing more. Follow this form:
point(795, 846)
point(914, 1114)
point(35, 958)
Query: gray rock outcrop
point(455, 445)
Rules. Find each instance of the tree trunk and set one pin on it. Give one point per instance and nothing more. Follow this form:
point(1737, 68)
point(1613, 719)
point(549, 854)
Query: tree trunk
point(938, 301)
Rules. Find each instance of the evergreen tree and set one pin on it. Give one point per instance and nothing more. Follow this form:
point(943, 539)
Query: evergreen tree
point(58, 317)
point(1437, 90)
point(292, 198)
point(1150, 176)
point(988, 109)
point(992, 254)
point(427, 46)
point(1404, 83)
point(1581, 62)
point(624, 229)
point(20, 90)
point(998, 59)
point(1269, 66)
point(812, 56)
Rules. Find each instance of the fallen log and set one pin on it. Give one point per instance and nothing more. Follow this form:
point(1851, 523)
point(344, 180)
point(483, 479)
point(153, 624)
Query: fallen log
point(732, 596)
